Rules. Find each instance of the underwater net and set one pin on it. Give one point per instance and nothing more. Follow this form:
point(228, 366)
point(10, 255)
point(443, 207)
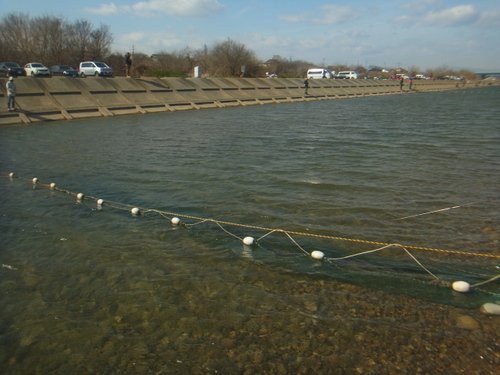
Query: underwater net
point(460, 278)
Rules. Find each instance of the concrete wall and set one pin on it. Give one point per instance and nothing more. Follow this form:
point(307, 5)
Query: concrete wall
point(64, 98)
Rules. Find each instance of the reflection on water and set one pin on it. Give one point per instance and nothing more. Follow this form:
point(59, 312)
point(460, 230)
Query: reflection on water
point(102, 292)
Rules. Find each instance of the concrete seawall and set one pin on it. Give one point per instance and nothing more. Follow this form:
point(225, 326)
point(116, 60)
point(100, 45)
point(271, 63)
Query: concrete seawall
point(63, 98)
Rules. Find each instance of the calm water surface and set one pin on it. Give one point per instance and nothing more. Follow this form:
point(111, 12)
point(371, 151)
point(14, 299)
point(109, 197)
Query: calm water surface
point(91, 291)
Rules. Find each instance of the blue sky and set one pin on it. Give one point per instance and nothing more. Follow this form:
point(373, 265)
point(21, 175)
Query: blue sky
point(409, 33)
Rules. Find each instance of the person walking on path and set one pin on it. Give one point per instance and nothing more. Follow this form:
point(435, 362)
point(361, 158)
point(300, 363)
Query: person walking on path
point(306, 85)
point(410, 83)
point(11, 94)
point(401, 83)
point(128, 63)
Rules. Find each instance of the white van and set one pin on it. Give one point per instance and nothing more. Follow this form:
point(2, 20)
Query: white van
point(94, 68)
point(319, 73)
point(347, 74)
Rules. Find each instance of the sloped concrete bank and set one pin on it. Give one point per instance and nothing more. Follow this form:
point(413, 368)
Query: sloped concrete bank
point(63, 98)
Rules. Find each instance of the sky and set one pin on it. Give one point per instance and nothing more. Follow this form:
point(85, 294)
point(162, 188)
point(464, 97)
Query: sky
point(421, 34)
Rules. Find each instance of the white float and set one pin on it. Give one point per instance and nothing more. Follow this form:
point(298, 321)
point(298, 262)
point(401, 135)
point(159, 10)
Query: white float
point(135, 211)
point(79, 196)
point(318, 254)
point(461, 286)
point(248, 241)
point(11, 174)
point(175, 220)
point(52, 185)
point(34, 180)
point(491, 309)
point(100, 202)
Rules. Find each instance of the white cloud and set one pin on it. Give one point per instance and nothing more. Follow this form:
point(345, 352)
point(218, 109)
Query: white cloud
point(108, 9)
point(335, 14)
point(328, 15)
point(175, 8)
point(148, 42)
point(419, 6)
point(403, 20)
point(490, 18)
point(456, 16)
point(294, 18)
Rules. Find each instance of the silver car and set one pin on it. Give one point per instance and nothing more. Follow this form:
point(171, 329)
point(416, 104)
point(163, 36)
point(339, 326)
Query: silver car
point(37, 69)
point(95, 68)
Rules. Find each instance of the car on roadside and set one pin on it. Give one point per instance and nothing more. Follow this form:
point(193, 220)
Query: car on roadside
point(347, 74)
point(37, 69)
point(319, 73)
point(11, 69)
point(63, 70)
point(95, 68)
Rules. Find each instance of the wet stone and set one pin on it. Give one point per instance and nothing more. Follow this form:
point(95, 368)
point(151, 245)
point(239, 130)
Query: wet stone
point(467, 322)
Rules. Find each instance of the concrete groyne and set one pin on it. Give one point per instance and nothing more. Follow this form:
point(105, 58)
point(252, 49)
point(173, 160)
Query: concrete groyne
point(64, 98)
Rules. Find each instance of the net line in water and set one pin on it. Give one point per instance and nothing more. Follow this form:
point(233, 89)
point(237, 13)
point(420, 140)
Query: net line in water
point(458, 286)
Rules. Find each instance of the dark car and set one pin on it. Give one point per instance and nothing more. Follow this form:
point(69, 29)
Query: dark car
point(11, 69)
point(63, 70)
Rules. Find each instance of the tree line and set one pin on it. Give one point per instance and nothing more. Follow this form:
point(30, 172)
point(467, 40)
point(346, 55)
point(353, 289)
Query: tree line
point(52, 40)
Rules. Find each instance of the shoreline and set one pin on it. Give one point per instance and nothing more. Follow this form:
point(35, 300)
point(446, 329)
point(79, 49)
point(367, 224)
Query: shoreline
point(65, 98)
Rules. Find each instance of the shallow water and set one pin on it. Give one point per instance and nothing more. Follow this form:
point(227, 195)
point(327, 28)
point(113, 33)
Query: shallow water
point(99, 291)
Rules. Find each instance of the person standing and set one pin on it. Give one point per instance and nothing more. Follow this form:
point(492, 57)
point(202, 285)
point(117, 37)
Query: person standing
point(306, 85)
point(11, 94)
point(401, 80)
point(128, 63)
point(410, 83)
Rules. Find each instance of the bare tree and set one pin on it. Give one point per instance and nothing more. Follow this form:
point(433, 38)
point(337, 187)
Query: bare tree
point(100, 43)
point(228, 57)
point(79, 40)
point(15, 31)
point(52, 40)
point(47, 39)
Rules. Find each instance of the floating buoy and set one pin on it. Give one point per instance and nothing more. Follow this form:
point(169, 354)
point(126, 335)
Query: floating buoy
point(11, 175)
point(175, 220)
point(79, 196)
point(490, 309)
point(100, 202)
point(35, 180)
point(135, 211)
point(248, 241)
point(318, 254)
point(53, 185)
point(461, 286)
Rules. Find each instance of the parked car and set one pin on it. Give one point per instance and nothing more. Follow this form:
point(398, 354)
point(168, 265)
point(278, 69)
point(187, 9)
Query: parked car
point(11, 69)
point(95, 68)
point(319, 73)
point(347, 74)
point(36, 69)
point(63, 70)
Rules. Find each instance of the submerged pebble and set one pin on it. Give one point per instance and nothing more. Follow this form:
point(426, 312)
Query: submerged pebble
point(467, 322)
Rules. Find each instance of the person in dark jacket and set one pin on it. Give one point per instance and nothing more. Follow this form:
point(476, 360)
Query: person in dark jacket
point(128, 63)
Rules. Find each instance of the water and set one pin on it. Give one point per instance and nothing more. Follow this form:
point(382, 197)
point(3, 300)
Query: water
point(102, 292)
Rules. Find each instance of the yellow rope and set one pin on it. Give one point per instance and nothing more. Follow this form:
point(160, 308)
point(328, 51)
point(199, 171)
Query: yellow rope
point(286, 232)
point(296, 233)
